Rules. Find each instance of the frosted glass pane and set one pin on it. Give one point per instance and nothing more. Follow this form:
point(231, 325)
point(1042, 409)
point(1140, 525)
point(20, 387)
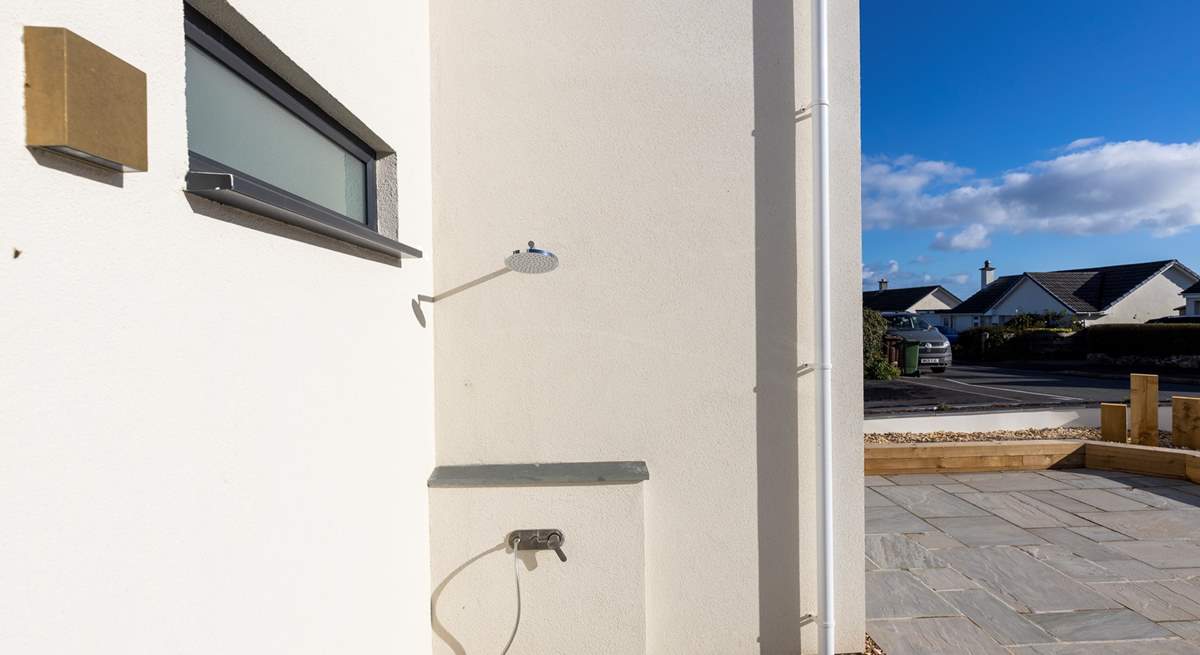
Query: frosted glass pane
point(231, 121)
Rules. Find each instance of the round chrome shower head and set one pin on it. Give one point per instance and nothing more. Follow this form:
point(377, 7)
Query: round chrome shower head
point(531, 260)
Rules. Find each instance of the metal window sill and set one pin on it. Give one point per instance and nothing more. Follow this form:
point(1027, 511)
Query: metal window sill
point(251, 196)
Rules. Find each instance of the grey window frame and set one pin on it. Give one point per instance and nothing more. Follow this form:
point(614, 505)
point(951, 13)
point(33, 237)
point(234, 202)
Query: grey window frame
point(218, 181)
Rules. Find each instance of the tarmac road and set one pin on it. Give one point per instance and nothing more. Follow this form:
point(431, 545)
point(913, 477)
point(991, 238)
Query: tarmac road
point(967, 387)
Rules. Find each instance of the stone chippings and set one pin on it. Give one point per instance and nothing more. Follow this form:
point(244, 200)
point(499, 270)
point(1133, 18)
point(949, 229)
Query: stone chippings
point(1033, 563)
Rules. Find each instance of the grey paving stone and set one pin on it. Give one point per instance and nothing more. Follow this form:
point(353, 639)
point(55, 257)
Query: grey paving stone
point(1159, 524)
point(1098, 533)
point(1046, 552)
point(1137, 480)
point(1060, 501)
point(985, 531)
point(1189, 630)
point(873, 499)
point(896, 551)
point(1010, 481)
point(1066, 474)
point(1069, 519)
point(1081, 546)
point(936, 540)
point(898, 595)
point(956, 488)
point(943, 579)
point(882, 520)
point(941, 636)
point(1099, 625)
point(1134, 571)
point(1103, 499)
point(1160, 497)
point(927, 501)
point(877, 481)
point(1017, 511)
point(1188, 589)
point(1021, 581)
point(1088, 479)
point(997, 619)
point(1083, 570)
point(1161, 554)
point(920, 478)
point(871, 566)
point(1139, 647)
point(1152, 600)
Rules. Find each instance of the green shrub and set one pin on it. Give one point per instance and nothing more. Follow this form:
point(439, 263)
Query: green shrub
point(1156, 339)
point(976, 344)
point(1025, 322)
point(875, 363)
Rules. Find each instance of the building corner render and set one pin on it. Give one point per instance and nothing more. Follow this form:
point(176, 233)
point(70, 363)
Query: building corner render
point(280, 392)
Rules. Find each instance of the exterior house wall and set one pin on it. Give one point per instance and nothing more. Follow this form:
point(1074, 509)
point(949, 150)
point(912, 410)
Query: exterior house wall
point(933, 302)
point(655, 148)
point(1027, 297)
point(1156, 298)
point(217, 429)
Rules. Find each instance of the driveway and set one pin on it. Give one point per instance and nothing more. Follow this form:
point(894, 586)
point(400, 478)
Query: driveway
point(967, 387)
point(1074, 562)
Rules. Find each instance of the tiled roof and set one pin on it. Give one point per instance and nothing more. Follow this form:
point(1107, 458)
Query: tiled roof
point(1082, 290)
point(898, 300)
point(1195, 288)
point(987, 296)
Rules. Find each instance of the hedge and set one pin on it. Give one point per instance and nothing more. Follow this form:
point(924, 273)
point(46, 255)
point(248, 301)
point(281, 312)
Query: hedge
point(1003, 343)
point(1155, 339)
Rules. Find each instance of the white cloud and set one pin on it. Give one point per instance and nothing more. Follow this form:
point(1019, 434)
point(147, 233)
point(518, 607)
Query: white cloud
point(867, 273)
point(973, 237)
point(1083, 144)
point(1107, 189)
point(893, 266)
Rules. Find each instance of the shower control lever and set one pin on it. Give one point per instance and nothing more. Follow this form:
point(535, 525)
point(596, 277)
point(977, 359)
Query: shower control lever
point(545, 539)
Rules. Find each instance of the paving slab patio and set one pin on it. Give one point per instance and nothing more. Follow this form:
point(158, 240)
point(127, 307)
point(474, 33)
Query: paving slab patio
point(1034, 563)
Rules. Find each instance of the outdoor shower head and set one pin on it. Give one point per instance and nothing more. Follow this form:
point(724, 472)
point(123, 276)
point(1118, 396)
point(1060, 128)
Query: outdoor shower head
point(531, 260)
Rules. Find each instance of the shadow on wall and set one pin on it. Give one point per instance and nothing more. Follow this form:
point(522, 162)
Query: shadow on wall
point(439, 628)
point(79, 168)
point(776, 333)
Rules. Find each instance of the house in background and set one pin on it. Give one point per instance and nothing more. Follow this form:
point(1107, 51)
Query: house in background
point(927, 299)
point(1191, 301)
point(1128, 293)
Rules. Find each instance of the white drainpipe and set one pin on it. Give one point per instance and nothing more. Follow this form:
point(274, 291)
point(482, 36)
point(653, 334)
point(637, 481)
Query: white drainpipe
point(825, 614)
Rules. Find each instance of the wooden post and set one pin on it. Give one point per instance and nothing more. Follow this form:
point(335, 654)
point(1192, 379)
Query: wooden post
point(1143, 401)
point(1112, 423)
point(1185, 422)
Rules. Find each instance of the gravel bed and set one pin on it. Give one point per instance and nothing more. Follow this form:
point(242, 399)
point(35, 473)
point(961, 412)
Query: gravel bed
point(1164, 438)
point(872, 648)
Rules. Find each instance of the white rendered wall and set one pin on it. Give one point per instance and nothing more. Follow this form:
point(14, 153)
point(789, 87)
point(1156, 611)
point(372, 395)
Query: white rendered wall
point(216, 430)
point(1027, 298)
point(645, 144)
point(1156, 298)
point(595, 602)
point(932, 302)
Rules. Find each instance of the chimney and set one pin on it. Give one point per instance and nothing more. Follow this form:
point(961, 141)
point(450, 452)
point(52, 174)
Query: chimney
point(883, 284)
point(987, 274)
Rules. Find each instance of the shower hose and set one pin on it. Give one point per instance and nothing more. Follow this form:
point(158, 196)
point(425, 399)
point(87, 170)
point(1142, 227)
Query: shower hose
point(517, 580)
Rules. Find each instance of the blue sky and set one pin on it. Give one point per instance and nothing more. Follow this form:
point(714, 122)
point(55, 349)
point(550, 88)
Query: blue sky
point(970, 110)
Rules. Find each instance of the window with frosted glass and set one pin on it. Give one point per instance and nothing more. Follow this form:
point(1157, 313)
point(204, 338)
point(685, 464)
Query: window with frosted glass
point(236, 124)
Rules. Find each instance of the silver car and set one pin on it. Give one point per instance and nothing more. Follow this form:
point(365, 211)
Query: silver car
point(934, 351)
